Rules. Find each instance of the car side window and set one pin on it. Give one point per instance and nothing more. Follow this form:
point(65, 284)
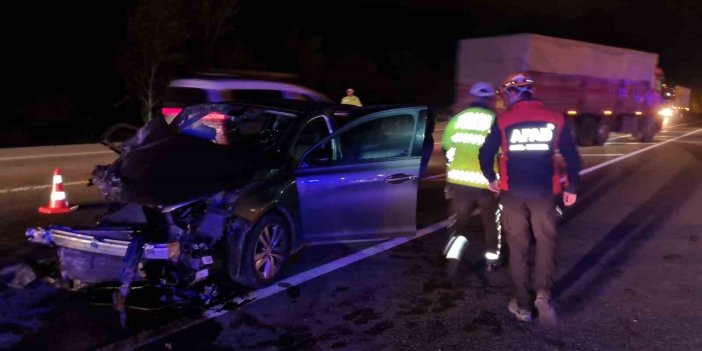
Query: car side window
point(314, 131)
point(379, 139)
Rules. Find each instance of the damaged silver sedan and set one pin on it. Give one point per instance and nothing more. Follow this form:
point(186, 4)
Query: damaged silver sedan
point(230, 191)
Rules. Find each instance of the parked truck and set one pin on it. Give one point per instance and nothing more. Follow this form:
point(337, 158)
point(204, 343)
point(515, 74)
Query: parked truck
point(680, 101)
point(601, 89)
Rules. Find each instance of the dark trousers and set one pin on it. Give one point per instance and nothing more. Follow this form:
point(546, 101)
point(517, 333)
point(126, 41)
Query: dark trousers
point(519, 215)
point(462, 202)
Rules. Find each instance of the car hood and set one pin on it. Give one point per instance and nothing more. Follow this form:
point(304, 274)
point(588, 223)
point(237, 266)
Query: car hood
point(160, 166)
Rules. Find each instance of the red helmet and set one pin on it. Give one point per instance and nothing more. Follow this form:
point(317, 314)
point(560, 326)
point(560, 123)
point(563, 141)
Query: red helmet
point(517, 82)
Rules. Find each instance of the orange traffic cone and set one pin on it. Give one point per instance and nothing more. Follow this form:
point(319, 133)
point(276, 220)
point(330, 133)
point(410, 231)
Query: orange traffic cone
point(58, 202)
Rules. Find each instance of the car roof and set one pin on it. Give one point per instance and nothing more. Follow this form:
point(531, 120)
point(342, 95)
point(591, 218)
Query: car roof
point(292, 106)
point(241, 84)
point(307, 108)
point(368, 109)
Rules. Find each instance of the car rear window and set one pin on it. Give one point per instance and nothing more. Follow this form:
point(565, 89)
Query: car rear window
point(181, 97)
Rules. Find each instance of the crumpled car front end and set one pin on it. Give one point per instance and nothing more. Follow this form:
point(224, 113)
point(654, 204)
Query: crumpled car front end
point(170, 198)
point(95, 255)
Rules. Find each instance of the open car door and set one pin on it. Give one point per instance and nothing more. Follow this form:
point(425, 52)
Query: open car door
point(361, 182)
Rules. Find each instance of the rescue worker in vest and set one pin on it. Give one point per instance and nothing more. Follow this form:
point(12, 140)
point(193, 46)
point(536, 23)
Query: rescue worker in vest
point(529, 135)
point(467, 188)
point(351, 99)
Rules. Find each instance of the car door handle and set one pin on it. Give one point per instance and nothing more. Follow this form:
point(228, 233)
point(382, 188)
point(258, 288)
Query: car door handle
point(399, 178)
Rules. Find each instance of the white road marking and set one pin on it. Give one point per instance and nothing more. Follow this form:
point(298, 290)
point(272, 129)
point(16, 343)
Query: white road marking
point(340, 242)
point(683, 124)
point(39, 187)
point(594, 155)
point(681, 130)
point(16, 158)
point(332, 266)
point(624, 157)
point(663, 131)
point(627, 143)
point(619, 137)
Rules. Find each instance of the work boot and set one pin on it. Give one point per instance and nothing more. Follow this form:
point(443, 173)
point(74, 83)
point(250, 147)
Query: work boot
point(492, 262)
point(453, 252)
point(521, 314)
point(492, 265)
point(547, 314)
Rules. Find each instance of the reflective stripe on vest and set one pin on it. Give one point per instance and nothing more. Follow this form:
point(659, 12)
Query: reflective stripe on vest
point(464, 135)
point(467, 176)
point(468, 138)
point(474, 120)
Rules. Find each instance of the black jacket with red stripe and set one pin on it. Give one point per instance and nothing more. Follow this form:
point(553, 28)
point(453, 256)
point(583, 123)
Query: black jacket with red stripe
point(528, 134)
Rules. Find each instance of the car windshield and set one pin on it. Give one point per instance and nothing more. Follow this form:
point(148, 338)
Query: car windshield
point(226, 124)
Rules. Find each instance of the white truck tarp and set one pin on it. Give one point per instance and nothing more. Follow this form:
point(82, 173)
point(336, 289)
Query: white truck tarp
point(492, 59)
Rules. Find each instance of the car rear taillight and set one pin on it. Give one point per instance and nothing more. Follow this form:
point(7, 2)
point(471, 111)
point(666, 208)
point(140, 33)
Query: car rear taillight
point(169, 113)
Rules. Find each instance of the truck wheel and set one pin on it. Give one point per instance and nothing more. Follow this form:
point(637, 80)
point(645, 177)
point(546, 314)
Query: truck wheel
point(265, 252)
point(602, 134)
point(645, 130)
point(586, 133)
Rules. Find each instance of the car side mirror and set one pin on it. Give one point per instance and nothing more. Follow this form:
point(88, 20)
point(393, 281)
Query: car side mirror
point(317, 157)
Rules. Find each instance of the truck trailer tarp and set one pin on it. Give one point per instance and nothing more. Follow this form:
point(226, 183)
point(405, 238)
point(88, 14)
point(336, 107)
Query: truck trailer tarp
point(492, 59)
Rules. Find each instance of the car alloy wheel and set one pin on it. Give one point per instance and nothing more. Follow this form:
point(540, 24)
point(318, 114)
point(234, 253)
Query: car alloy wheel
point(270, 251)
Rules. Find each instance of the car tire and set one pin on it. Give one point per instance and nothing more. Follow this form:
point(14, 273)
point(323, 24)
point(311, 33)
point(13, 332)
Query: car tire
point(265, 252)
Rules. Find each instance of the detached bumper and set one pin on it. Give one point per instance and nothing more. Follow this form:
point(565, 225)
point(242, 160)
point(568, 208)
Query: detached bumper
point(96, 241)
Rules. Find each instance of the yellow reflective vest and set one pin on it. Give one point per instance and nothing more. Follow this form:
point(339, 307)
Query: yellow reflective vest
point(463, 137)
point(351, 100)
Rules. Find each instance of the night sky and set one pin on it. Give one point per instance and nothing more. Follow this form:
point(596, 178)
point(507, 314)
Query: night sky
point(389, 50)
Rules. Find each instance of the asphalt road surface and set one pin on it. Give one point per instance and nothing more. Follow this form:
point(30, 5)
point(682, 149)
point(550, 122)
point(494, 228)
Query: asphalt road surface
point(630, 275)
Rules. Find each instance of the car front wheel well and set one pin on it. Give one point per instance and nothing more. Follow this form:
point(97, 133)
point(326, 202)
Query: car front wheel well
point(241, 241)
